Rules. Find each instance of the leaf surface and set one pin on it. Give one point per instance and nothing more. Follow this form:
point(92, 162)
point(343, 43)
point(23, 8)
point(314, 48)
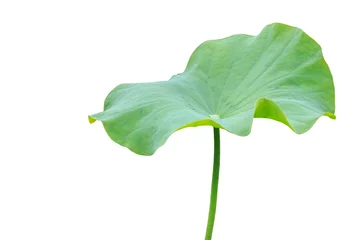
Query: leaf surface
point(279, 74)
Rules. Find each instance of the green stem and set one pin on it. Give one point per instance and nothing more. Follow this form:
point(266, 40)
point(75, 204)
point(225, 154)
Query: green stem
point(214, 185)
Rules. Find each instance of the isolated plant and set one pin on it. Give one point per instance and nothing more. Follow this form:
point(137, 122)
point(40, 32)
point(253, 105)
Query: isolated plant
point(279, 74)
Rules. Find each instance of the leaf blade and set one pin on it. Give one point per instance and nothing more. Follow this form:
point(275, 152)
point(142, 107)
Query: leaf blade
point(279, 74)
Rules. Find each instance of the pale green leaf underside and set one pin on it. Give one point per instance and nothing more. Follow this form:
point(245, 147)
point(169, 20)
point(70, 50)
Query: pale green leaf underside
point(279, 74)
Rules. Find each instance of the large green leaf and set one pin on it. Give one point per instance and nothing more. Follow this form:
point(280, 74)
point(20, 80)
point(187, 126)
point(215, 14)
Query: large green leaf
point(279, 74)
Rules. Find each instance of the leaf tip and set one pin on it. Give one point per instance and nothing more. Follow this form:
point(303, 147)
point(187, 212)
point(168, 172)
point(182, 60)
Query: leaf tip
point(330, 115)
point(91, 119)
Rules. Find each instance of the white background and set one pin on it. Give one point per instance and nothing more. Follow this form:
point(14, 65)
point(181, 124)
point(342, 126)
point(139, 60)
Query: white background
point(62, 178)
